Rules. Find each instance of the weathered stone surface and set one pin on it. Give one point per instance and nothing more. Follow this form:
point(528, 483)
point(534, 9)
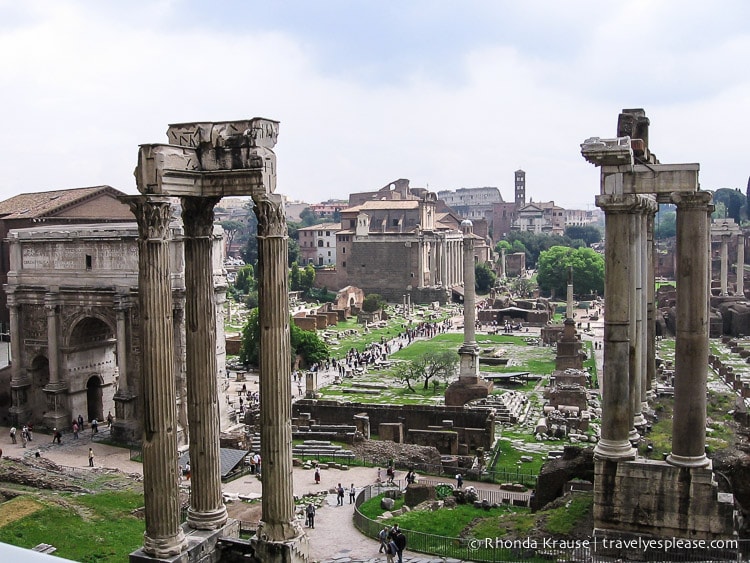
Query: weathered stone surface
point(387, 503)
point(417, 493)
point(576, 463)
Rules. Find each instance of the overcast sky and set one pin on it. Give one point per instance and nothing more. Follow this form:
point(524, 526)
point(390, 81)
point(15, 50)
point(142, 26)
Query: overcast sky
point(446, 94)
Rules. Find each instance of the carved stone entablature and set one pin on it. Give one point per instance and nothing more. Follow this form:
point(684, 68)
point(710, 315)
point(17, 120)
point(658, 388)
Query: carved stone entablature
point(211, 159)
point(608, 152)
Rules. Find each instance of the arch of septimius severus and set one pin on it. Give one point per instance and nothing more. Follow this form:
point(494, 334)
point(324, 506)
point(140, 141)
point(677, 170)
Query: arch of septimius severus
point(202, 163)
point(678, 496)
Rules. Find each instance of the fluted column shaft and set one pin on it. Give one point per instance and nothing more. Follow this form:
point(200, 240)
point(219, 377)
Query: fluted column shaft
point(121, 308)
point(617, 416)
point(636, 326)
point(15, 339)
point(650, 305)
point(691, 339)
point(163, 537)
point(53, 348)
point(275, 372)
point(724, 263)
point(207, 510)
point(740, 266)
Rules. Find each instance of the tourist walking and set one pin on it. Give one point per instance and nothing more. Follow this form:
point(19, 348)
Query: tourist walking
point(400, 541)
point(310, 512)
point(75, 430)
point(94, 426)
point(56, 436)
point(317, 476)
point(459, 480)
point(91, 457)
point(383, 537)
point(339, 495)
point(352, 494)
point(80, 422)
point(390, 551)
point(13, 435)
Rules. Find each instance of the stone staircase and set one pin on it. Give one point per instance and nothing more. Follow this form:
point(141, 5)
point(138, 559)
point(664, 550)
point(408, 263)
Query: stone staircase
point(321, 448)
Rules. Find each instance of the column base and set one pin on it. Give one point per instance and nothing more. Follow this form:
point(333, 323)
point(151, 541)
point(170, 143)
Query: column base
point(294, 550)
point(57, 419)
point(198, 546)
point(207, 520)
point(614, 450)
point(633, 436)
point(688, 461)
point(164, 548)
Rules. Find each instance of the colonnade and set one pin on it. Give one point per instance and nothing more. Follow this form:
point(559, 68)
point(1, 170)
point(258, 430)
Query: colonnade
point(251, 170)
point(449, 262)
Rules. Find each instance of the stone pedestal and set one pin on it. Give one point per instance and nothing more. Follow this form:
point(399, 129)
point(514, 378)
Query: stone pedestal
point(201, 546)
point(311, 385)
point(643, 496)
point(569, 348)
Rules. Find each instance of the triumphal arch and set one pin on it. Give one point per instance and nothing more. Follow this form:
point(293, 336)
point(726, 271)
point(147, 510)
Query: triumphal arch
point(676, 497)
point(202, 163)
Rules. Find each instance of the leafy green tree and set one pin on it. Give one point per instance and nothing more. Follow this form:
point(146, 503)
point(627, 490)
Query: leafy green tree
point(373, 302)
point(588, 233)
point(434, 365)
point(503, 244)
point(303, 343)
point(588, 270)
point(307, 279)
point(523, 287)
point(307, 345)
point(309, 217)
point(294, 277)
point(245, 279)
point(231, 228)
point(484, 278)
point(732, 200)
point(665, 225)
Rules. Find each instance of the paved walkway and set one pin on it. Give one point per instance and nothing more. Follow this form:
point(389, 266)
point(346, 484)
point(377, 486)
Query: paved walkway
point(334, 538)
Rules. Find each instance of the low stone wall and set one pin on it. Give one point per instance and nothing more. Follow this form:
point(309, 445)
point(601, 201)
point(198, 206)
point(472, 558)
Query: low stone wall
point(475, 427)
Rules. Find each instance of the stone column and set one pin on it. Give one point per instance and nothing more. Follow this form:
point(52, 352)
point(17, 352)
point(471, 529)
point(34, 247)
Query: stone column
point(53, 348)
point(470, 300)
point(740, 266)
point(569, 295)
point(650, 304)
point(207, 510)
point(724, 263)
point(163, 537)
point(122, 305)
point(636, 325)
point(56, 414)
point(278, 524)
point(691, 339)
point(617, 417)
point(20, 411)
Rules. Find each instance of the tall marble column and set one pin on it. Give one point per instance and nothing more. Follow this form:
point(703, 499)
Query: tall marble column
point(740, 266)
point(650, 304)
point(163, 537)
point(278, 523)
point(122, 306)
point(20, 411)
point(469, 351)
point(724, 263)
point(617, 415)
point(691, 338)
point(53, 348)
point(636, 325)
point(56, 414)
point(207, 510)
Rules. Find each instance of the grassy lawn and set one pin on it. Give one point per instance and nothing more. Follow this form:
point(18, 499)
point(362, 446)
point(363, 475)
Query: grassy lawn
point(89, 528)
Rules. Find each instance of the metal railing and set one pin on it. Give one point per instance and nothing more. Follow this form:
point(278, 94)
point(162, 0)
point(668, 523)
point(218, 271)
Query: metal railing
point(524, 550)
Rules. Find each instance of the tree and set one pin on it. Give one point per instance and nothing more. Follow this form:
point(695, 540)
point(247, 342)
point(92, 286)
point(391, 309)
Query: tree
point(303, 343)
point(588, 233)
point(373, 302)
point(231, 228)
point(294, 278)
point(588, 270)
point(244, 281)
point(484, 278)
point(665, 225)
point(307, 279)
point(435, 365)
point(309, 217)
point(732, 200)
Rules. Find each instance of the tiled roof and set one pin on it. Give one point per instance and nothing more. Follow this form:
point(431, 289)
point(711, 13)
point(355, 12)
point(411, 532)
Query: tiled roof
point(45, 204)
point(322, 227)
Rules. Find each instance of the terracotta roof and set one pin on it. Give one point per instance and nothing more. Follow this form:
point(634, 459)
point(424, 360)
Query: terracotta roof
point(322, 227)
point(45, 204)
